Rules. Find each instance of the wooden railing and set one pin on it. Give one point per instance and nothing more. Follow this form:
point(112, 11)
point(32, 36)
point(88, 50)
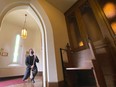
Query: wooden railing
point(70, 66)
point(99, 77)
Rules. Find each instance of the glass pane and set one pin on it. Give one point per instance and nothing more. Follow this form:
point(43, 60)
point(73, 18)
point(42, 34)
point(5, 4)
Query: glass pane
point(74, 33)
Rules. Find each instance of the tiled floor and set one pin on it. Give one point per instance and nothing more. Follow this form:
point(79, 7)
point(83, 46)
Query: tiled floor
point(38, 83)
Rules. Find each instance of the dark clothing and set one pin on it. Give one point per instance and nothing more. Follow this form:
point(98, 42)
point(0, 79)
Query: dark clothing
point(29, 62)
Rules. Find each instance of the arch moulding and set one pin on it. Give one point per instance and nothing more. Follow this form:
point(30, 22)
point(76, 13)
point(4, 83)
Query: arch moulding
point(48, 53)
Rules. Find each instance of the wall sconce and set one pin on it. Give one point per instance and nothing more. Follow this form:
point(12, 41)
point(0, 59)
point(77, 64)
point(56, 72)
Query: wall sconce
point(81, 44)
point(109, 10)
point(113, 25)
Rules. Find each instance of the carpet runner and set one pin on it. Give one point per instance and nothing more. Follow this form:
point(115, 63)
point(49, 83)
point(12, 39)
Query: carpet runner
point(11, 82)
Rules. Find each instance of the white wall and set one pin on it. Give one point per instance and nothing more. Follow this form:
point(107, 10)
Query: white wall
point(38, 49)
point(12, 71)
point(7, 42)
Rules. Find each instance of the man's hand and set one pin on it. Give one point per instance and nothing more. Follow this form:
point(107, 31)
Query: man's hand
point(32, 66)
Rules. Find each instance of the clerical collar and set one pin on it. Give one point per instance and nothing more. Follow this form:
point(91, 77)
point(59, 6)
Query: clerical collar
point(31, 54)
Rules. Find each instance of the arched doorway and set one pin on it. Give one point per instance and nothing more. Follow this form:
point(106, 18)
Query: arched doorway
point(43, 22)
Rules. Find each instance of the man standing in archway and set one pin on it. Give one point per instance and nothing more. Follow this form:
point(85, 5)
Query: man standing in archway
point(31, 65)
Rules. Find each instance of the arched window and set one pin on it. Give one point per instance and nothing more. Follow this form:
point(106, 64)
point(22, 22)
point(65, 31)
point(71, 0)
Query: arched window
point(16, 49)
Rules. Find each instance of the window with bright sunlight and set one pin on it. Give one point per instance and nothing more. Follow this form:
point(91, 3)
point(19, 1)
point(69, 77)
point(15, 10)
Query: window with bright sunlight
point(16, 49)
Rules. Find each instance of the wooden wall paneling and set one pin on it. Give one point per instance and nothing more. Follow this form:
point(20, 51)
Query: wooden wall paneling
point(105, 28)
point(97, 70)
point(75, 36)
point(108, 20)
point(106, 62)
point(103, 23)
point(72, 26)
point(98, 14)
point(104, 53)
point(82, 28)
point(75, 25)
point(74, 7)
point(110, 54)
point(89, 20)
point(99, 76)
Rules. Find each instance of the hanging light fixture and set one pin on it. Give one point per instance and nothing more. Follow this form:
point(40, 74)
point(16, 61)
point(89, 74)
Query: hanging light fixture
point(24, 30)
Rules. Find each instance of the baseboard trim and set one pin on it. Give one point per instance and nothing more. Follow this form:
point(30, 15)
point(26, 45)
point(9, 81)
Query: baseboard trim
point(10, 77)
point(40, 73)
point(19, 76)
point(56, 84)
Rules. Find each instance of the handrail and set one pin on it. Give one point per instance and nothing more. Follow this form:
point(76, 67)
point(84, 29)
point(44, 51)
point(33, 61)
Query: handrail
point(63, 49)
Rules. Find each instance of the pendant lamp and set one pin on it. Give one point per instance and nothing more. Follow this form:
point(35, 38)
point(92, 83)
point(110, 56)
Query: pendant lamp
point(24, 30)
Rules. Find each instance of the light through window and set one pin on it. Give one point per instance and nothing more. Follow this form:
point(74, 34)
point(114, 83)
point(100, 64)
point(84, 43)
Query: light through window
point(17, 43)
